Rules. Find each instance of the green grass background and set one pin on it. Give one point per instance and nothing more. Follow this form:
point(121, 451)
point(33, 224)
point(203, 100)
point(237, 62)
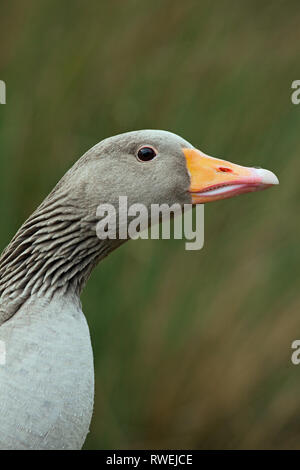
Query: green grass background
point(192, 349)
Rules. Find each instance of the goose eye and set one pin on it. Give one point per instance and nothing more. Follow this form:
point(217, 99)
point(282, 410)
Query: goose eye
point(145, 154)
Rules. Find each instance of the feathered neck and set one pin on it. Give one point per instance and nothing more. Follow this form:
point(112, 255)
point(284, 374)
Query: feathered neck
point(54, 252)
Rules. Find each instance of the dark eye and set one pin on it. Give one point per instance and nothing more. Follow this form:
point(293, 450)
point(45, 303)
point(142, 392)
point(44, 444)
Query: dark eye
point(145, 154)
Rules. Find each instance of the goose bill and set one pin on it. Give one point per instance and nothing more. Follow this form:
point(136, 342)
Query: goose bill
point(212, 179)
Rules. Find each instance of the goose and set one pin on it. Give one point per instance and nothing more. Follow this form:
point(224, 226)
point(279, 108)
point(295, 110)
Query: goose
point(47, 378)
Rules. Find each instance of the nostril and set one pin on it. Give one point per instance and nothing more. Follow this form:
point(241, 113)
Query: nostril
point(224, 169)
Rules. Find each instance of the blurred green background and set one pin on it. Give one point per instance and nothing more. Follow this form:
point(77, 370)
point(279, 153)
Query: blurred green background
point(192, 349)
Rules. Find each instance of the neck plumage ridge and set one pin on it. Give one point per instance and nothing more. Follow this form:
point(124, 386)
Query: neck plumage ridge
point(54, 252)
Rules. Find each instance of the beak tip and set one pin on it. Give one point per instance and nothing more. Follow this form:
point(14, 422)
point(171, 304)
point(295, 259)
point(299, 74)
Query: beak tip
point(266, 176)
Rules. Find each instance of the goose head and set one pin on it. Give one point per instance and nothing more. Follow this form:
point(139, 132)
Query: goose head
point(156, 167)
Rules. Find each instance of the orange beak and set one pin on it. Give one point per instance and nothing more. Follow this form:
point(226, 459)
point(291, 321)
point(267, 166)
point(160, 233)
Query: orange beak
point(213, 179)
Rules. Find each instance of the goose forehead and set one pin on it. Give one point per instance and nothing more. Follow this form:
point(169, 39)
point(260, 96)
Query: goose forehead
point(150, 136)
